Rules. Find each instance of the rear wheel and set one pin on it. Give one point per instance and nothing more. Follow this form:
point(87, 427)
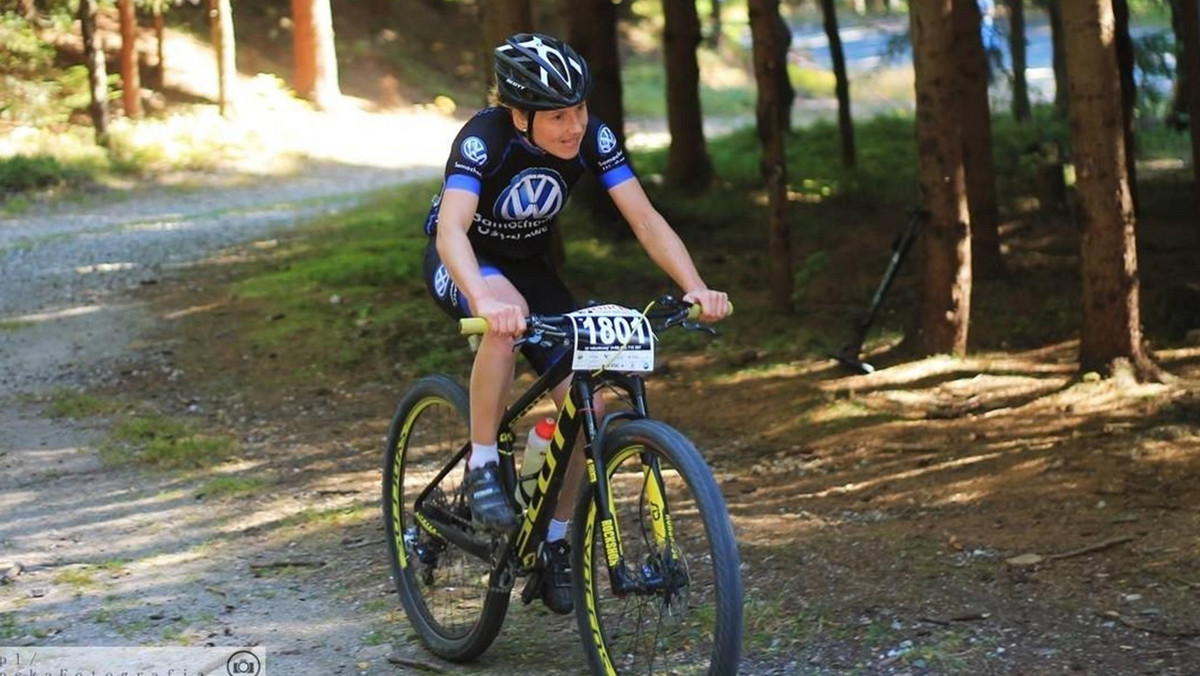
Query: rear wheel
point(677, 543)
point(447, 593)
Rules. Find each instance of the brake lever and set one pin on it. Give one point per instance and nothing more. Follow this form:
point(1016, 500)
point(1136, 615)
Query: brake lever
point(693, 325)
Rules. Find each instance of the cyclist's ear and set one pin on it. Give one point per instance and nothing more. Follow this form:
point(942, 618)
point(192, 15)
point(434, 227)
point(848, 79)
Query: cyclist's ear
point(520, 119)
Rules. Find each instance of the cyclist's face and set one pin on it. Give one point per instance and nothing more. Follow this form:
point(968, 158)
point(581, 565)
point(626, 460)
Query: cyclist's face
point(558, 132)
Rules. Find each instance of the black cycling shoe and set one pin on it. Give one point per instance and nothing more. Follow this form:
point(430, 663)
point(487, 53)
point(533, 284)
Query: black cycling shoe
point(556, 579)
point(489, 505)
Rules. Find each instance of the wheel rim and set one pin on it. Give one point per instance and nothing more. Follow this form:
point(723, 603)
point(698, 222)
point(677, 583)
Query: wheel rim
point(670, 631)
point(447, 587)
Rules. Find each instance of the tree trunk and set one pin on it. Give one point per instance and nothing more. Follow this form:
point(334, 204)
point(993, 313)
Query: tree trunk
point(315, 76)
point(1111, 328)
point(93, 56)
point(1191, 56)
point(131, 86)
point(688, 164)
point(592, 28)
point(221, 15)
point(714, 38)
point(1016, 46)
point(764, 16)
point(785, 94)
point(500, 19)
point(1177, 115)
point(28, 9)
point(845, 121)
point(972, 67)
point(1128, 93)
point(1061, 99)
point(159, 72)
point(946, 292)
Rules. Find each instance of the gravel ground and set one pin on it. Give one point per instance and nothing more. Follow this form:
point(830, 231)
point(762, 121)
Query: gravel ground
point(61, 263)
point(176, 568)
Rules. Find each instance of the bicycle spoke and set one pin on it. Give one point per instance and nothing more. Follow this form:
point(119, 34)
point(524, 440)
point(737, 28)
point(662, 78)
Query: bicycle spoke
point(445, 589)
point(670, 624)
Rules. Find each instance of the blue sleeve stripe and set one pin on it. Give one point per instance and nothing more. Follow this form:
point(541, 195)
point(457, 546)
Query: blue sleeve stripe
point(463, 182)
point(612, 179)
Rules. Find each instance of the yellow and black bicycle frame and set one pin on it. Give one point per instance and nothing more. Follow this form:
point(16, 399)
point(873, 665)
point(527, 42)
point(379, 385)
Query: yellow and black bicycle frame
point(576, 414)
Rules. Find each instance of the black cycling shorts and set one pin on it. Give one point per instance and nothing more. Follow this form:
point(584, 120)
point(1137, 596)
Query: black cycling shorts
point(534, 278)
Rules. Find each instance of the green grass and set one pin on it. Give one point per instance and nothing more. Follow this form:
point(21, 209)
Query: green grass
point(20, 173)
point(66, 403)
point(79, 578)
point(162, 443)
point(339, 516)
point(14, 325)
point(9, 629)
point(351, 293)
point(233, 486)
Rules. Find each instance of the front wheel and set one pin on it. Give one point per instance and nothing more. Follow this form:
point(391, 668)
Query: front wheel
point(678, 548)
point(446, 591)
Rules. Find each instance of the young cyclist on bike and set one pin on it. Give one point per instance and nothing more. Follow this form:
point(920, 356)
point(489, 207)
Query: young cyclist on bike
point(510, 171)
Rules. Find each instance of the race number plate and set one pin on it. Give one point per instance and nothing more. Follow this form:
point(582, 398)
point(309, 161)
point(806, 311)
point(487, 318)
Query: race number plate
point(613, 338)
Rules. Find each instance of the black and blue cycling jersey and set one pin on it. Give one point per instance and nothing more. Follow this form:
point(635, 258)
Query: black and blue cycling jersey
point(521, 188)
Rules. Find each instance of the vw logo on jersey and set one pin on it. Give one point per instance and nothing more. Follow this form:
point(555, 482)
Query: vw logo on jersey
point(441, 281)
point(606, 140)
point(533, 194)
point(474, 149)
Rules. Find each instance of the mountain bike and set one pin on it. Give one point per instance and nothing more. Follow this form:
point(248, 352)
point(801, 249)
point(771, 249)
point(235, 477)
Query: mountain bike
point(656, 572)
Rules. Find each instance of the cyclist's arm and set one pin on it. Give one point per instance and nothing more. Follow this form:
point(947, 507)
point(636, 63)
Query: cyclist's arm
point(455, 214)
point(666, 249)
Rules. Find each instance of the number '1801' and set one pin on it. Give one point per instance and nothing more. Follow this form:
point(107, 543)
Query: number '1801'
point(615, 330)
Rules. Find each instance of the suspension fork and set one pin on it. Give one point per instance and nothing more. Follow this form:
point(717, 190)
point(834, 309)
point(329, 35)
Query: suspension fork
point(622, 579)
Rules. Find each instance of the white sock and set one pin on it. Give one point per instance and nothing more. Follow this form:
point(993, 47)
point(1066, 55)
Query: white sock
point(557, 530)
point(482, 454)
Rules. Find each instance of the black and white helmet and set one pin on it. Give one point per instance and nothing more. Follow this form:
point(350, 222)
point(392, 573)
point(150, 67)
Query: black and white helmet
point(538, 72)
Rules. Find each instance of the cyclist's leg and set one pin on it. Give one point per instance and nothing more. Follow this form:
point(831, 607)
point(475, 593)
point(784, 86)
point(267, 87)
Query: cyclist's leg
point(492, 373)
point(491, 378)
point(547, 294)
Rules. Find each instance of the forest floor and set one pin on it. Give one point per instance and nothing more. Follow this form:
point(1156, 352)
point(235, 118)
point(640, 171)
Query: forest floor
point(990, 515)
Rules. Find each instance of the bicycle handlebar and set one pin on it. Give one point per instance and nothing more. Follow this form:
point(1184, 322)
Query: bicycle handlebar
point(477, 326)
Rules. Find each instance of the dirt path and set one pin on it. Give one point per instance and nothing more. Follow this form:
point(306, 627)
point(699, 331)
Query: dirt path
point(886, 522)
point(99, 555)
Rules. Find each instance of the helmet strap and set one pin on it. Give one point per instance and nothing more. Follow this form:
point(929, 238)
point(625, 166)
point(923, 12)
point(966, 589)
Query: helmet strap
point(529, 126)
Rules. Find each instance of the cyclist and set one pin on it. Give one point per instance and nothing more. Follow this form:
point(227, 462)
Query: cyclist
point(510, 171)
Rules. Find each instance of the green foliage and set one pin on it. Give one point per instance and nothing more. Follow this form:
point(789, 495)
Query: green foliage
point(24, 53)
point(1154, 62)
point(33, 90)
point(886, 160)
point(66, 403)
point(20, 173)
point(816, 263)
point(1019, 148)
point(812, 82)
point(228, 486)
point(353, 294)
point(644, 87)
point(162, 443)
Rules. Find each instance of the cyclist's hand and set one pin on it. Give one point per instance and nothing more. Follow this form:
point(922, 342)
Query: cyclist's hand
point(504, 319)
point(714, 305)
